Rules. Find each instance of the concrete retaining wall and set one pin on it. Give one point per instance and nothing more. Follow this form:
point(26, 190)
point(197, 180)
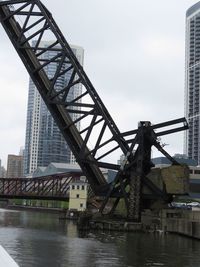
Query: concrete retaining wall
point(186, 222)
point(182, 222)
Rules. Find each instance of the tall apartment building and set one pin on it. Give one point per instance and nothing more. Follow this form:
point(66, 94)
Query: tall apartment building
point(44, 143)
point(1, 170)
point(14, 166)
point(192, 83)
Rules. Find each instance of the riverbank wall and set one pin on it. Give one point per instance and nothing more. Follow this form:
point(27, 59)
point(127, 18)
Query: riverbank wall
point(38, 209)
point(183, 222)
point(110, 225)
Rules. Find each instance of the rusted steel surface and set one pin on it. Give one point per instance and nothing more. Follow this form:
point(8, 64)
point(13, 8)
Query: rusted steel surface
point(55, 187)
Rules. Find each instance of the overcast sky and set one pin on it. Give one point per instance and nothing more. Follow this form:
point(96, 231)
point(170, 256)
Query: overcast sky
point(134, 56)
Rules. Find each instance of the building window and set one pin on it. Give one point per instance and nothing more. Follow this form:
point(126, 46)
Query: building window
point(83, 187)
point(73, 187)
point(77, 196)
point(81, 205)
point(78, 187)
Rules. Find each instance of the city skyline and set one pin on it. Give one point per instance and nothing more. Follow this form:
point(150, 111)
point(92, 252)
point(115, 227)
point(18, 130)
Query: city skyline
point(136, 67)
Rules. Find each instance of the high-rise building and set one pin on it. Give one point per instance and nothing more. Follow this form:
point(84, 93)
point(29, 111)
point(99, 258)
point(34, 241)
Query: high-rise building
point(3, 172)
point(0, 169)
point(192, 83)
point(14, 166)
point(44, 142)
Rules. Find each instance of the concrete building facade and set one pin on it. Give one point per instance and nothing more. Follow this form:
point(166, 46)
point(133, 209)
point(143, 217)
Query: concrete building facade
point(192, 83)
point(14, 166)
point(78, 196)
point(44, 143)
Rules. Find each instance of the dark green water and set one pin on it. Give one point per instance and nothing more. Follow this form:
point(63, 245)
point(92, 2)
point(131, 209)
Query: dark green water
point(40, 240)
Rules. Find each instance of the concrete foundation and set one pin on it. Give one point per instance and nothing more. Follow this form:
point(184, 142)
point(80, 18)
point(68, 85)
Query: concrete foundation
point(116, 226)
point(185, 222)
point(107, 224)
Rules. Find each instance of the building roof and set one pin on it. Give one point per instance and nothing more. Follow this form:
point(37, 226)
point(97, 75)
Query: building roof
point(42, 168)
point(79, 182)
point(193, 9)
point(39, 172)
point(55, 168)
point(65, 166)
point(165, 161)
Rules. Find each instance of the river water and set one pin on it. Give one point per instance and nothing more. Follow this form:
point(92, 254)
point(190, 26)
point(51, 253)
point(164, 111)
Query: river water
point(36, 239)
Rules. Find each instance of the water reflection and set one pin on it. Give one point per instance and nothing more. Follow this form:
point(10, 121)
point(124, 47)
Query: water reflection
point(40, 239)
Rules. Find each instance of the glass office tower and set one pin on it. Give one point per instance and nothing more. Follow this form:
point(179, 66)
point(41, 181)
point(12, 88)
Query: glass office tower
point(44, 143)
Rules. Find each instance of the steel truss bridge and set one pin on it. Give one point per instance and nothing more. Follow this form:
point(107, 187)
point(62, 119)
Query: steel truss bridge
point(54, 187)
point(28, 23)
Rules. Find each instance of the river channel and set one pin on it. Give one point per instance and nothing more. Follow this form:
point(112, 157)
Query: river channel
point(36, 239)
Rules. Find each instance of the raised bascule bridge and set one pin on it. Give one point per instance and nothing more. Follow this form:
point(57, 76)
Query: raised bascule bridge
point(28, 23)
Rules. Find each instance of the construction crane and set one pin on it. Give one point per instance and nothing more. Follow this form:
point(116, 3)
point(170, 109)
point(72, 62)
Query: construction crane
point(28, 23)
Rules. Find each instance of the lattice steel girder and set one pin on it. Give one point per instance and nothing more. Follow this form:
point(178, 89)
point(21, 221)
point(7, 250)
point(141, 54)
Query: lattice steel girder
point(27, 24)
point(54, 187)
point(175, 126)
point(132, 176)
